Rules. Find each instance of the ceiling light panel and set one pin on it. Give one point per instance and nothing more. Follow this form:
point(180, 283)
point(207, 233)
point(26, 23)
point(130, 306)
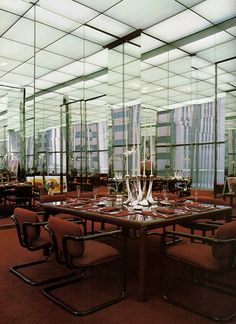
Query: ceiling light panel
point(73, 47)
point(90, 68)
point(115, 59)
point(190, 3)
point(49, 60)
point(7, 20)
point(7, 64)
point(178, 26)
point(229, 66)
point(56, 77)
point(144, 13)
point(23, 32)
point(100, 89)
point(16, 79)
point(207, 42)
point(232, 31)
point(100, 58)
point(113, 26)
point(15, 51)
point(69, 9)
point(100, 5)
point(154, 74)
point(52, 19)
point(227, 78)
point(93, 35)
point(18, 7)
point(215, 10)
point(165, 57)
point(41, 84)
point(28, 69)
point(66, 90)
point(226, 87)
point(74, 68)
point(179, 66)
point(149, 43)
point(177, 81)
point(219, 52)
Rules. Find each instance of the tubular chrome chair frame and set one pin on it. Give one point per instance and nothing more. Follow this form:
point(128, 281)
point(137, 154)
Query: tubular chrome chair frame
point(24, 242)
point(47, 291)
point(210, 284)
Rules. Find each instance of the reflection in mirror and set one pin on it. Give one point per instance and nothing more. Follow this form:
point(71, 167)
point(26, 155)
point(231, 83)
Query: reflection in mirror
point(225, 72)
point(11, 127)
point(124, 77)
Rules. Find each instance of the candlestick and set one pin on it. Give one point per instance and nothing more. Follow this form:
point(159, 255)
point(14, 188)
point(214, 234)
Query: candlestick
point(133, 136)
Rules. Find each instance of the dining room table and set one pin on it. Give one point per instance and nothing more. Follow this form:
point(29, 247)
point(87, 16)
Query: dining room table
point(139, 218)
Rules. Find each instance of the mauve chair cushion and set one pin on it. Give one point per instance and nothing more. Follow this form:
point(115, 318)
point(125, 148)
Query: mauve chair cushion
point(95, 253)
point(195, 254)
point(223, 251)
point(61, 227)
point(24, 215)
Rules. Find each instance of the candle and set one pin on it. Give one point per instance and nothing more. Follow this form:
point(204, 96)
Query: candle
point(126, 142)
point(144, 152)
point(133, 136)
point(151, 153)
point(138, 152)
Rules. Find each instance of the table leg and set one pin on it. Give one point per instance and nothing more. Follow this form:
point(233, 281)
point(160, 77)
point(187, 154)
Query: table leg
point(142, 267)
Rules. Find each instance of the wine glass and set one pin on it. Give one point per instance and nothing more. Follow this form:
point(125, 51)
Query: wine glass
point(165, 193)
point(196, 195)
point(95, 193)
point(78, 192)
point(108, 190)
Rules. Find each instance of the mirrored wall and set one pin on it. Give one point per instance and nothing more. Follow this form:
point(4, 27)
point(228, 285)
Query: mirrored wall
point(171, 105)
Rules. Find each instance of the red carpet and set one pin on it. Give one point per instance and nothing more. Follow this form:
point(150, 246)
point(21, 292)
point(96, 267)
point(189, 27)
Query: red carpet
point(24, 304)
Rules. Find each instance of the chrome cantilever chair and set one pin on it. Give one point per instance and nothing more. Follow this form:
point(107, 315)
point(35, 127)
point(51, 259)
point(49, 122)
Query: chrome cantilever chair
point(217, 257)
point(32, 236)
point(81, 253)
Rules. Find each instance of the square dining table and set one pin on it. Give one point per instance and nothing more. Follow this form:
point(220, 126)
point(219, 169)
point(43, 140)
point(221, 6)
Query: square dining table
point(142, 220)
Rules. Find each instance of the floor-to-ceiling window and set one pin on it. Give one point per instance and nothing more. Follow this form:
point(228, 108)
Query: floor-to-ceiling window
point(186, 142)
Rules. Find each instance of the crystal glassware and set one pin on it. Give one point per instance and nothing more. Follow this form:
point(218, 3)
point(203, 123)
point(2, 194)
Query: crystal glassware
point(78, 192)
point(165, 193)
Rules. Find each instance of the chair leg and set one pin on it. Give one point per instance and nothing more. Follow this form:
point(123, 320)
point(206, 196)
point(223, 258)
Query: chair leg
point(188, 306)
point(47, 292)
point(31, 282)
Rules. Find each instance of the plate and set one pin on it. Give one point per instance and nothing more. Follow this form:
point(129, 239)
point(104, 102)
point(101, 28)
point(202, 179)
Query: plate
point(168, 203)
point(101, 203)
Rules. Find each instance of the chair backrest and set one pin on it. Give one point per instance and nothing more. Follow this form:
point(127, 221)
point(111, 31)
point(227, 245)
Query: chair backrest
point(21, 216)
point(51, 198)
point(225, 253)
point(23, 191)
point(61, 227)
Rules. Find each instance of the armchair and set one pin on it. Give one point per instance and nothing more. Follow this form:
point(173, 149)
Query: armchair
point(210, 261)
point(81, 253)
point(20, 196)
point(32, 236)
